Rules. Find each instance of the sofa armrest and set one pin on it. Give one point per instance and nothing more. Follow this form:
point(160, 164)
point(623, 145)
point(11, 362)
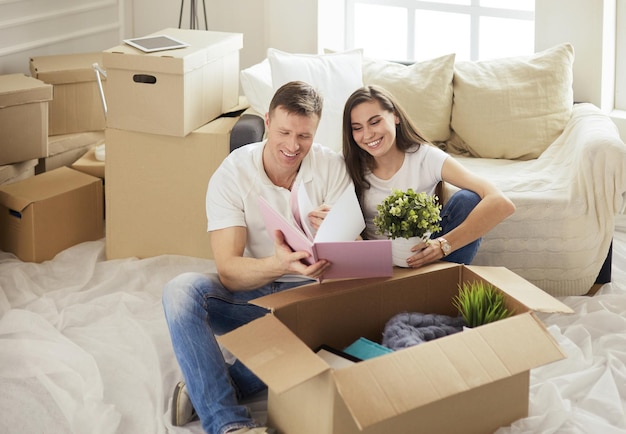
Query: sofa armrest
point(249, 128)
point(597, 156)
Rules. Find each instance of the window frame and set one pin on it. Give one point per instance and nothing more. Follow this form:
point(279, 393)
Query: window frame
point(473, 9)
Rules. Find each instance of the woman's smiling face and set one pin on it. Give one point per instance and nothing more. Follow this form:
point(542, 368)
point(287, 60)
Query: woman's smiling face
point(373, 128)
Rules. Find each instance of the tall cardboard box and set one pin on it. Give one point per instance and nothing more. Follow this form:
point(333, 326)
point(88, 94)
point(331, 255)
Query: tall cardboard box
point(45, 214)
point(23, 118)
point(173, 92)
point(76, 105)
point(156, 190)
point(471, 382)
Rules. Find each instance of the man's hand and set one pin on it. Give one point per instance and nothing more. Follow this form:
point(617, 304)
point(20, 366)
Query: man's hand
point(291, 261)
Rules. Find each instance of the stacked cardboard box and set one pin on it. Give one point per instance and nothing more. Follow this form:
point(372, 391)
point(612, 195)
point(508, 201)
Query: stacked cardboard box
point(43, 127)
point(76, 105)
point(44, 214)
point(164, 139)
point(23, 118)
point(76, 117)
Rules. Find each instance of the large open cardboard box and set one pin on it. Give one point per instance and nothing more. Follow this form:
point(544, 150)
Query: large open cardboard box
point(42, 215)
point(156, 190)
point(23, 118)
point(173, 92)
point(76, 105)
point(470, 382)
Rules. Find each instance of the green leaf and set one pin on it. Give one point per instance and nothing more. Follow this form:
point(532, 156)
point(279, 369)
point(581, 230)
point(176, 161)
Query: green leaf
point(480, 303)
point(406, 214)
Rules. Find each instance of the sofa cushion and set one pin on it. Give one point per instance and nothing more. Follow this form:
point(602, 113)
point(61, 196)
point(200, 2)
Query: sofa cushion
point(423, 89)
point(256, 84)
point(334, 75)
point(512, 108)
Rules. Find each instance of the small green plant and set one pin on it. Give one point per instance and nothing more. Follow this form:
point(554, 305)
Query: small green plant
point(406, 214)
point(480, 303)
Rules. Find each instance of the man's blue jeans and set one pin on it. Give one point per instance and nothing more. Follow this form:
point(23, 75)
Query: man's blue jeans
point(453, 213)
point(197, 308)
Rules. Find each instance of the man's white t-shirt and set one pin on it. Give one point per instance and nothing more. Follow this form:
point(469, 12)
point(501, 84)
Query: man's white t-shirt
point(421, 171)
point(233, 194)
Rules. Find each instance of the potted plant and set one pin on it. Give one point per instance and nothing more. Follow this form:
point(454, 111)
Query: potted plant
point(407, 218)
point(480, 303)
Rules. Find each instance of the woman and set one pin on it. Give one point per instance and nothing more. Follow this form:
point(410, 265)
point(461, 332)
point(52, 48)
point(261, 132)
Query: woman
point(384, 150)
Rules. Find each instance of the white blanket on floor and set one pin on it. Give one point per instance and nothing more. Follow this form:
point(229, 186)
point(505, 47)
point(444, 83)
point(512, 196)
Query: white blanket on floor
point(84, 348)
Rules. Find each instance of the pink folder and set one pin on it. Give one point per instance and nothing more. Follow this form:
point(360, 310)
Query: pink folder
point(349, 258)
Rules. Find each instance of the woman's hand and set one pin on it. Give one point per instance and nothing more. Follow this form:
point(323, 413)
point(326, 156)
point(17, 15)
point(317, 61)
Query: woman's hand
point(425, 253)
point(317, 216)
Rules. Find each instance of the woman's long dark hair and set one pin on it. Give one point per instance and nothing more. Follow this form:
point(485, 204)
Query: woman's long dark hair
point(408, 136)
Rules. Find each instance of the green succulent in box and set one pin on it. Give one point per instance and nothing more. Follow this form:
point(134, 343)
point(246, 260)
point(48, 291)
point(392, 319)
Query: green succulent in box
point(406, 214)
point(480, 303)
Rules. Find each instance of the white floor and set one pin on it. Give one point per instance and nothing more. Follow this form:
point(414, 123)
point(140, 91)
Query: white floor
point(84, 348)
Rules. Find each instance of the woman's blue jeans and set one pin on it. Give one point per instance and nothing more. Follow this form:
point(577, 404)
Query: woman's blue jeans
point(197, 308)
point(453, 213)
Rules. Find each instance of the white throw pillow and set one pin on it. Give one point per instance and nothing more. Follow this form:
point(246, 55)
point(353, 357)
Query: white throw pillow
point(256, 83)
point(423, 89)
point(334, 75)
point(512, 108)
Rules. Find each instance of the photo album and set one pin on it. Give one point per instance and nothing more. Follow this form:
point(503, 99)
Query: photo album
point(336, 240)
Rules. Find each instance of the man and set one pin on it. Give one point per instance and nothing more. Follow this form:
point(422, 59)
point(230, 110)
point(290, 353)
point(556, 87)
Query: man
point(249, 264)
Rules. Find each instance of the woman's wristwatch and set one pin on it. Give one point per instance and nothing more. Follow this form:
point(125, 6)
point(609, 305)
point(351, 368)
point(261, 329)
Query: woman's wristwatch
point(446, 248)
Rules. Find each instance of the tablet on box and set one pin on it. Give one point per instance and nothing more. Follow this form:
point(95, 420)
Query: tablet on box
point(149, 44)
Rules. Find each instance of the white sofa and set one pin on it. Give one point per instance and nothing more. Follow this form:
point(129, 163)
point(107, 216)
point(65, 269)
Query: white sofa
point(514, 121)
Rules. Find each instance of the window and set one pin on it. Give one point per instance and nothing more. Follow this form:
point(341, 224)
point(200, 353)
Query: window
point(417, 30)
point(620, 56)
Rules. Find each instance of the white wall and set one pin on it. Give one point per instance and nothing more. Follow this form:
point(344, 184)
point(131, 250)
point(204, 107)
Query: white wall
point(40, 27)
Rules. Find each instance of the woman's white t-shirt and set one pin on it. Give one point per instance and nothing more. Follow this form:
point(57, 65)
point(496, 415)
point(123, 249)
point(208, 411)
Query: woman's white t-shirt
point(421, 171)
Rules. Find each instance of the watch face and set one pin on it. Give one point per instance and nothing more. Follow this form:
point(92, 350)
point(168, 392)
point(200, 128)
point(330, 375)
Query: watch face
point(446, 248)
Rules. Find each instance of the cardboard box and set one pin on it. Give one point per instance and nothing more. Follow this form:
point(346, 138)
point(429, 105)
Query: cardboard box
point(11, 173)
point(23, 118)
point(470, 382)
point(156, 190)
point(89, 164)
point(76, 105)
point(65, 149)
point(173, 92)
point(45, 214)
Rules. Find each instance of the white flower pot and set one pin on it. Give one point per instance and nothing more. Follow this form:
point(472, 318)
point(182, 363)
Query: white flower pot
point(401, 250)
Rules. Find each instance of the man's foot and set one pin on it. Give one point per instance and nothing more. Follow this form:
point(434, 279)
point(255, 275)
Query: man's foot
point(259, 430)
point(182, 408)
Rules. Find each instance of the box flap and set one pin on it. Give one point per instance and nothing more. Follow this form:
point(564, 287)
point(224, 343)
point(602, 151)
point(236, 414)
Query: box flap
point(205, 46)
point(64, 69)
point(522, 290)
point(18, 89)
point(273, 353)
point(19, 195)
point(381, 388)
